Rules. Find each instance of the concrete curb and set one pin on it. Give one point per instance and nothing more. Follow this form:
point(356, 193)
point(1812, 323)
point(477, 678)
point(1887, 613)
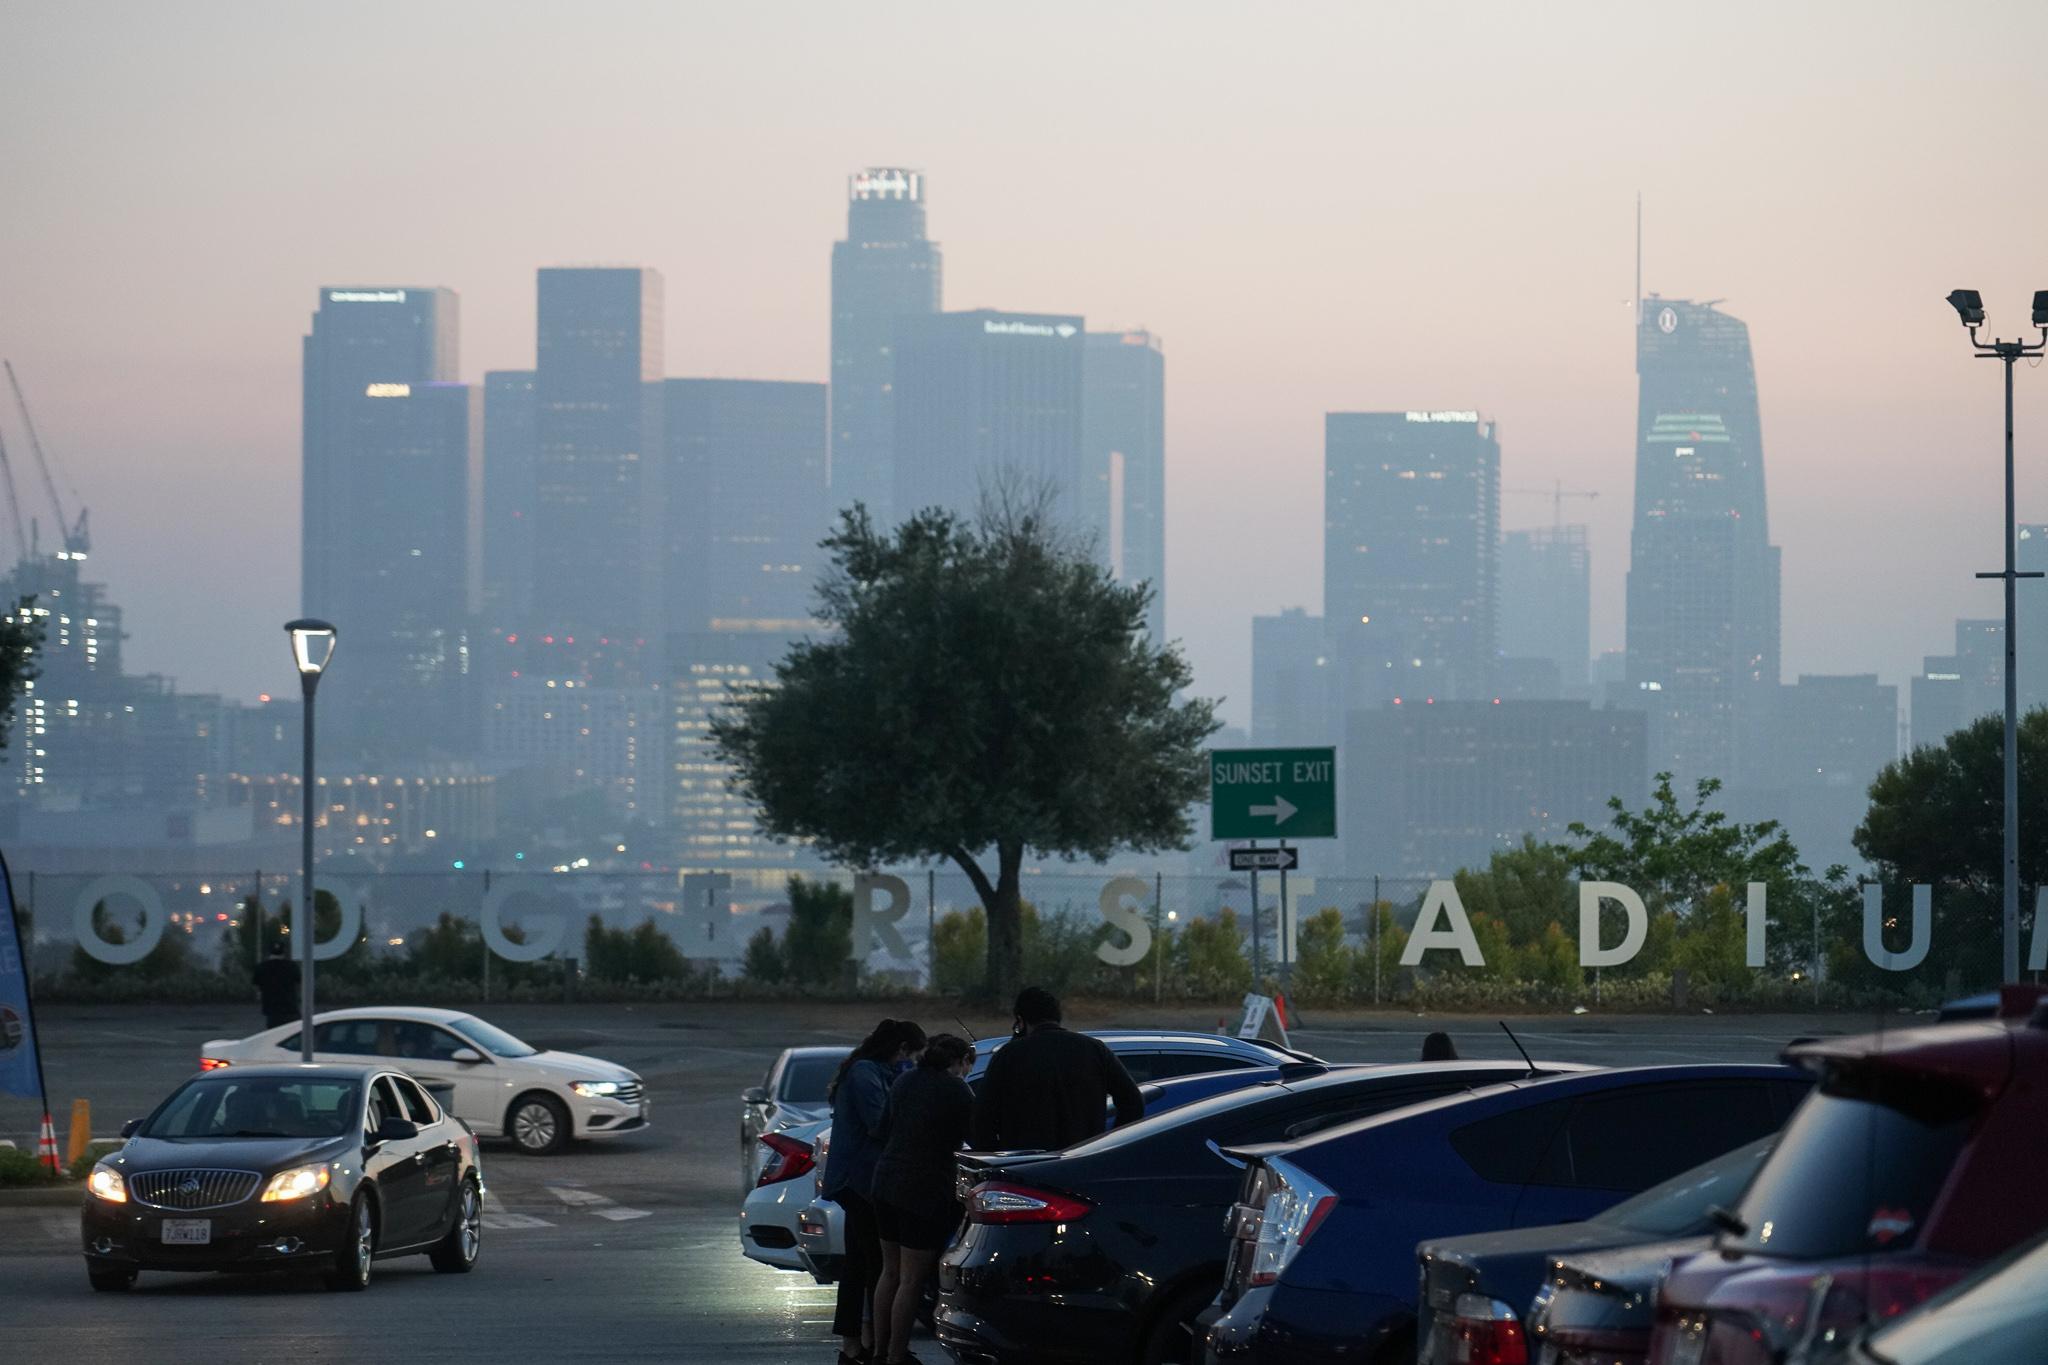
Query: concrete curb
point(42, 1197)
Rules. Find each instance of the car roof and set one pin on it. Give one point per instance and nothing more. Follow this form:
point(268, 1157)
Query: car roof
point(1978, 1053)
point(1540, 1088)
point(423, 1014)
point(352, 1071)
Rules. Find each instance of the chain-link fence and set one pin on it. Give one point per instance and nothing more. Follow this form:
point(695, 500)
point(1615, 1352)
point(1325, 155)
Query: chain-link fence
point(1136, 932)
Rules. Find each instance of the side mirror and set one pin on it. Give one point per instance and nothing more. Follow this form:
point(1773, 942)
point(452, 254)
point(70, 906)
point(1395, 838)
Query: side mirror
point(467, 1056)
point(755, 1094)
point(128, 1128)
point(397, 1130)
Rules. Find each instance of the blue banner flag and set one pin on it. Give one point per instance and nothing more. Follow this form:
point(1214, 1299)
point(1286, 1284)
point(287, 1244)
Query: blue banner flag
point(21, 1068)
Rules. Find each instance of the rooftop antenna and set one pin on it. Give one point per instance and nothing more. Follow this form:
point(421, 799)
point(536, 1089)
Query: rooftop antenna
point(1518, 1044)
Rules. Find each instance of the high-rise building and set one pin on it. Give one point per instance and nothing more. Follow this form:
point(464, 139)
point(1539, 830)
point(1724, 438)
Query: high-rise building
point(988, 402)
point(1411, 544)
point(1546, 601)
point(598, 514)
point(1703, 575)
point(1290, 680)
point(746, 462)
point(1433, 787)
point(885, 269)
point(386, 496)
point(1830, 737)
point(511, 496)
point(1123, 450)
point(1954, 689)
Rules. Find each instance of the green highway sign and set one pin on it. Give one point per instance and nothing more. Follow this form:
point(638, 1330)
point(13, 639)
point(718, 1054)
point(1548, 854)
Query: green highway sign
point(1272, 793)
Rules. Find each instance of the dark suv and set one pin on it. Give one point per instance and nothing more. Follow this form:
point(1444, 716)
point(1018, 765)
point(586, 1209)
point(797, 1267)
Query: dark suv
point(1916, 1159)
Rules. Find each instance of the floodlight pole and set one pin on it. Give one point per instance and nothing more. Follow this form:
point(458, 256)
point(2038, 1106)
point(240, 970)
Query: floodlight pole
point(2010, 352)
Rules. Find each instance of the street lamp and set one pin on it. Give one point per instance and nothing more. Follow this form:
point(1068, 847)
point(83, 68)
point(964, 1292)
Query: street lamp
point(1969, 306)
point(312, 647)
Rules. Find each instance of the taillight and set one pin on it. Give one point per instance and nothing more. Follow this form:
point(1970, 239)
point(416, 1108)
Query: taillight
point(787, 1159)
point(1486, 1331)
point(1761, 1315)
point(212, 1063)
point(1296, 1205)
point(997, 1201)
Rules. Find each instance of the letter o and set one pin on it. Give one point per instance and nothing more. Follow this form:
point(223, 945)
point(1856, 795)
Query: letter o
point(546, 936)
point(108, 889)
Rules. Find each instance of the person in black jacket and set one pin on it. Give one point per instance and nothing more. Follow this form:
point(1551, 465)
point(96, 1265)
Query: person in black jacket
point(860, 1104)
point(1048, 1089)
point(277, 986)
point(930, 1108)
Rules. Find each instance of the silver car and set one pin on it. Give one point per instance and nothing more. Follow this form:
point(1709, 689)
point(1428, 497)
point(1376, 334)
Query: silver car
point(793, 1092)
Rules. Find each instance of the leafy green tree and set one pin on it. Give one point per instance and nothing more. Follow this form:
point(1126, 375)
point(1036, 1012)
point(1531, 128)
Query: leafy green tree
point(642, 953)
point(1327, 967)
point(21, 638)
point(763, 962)
point(1525, 888)
point(990, 689)
point(818, 944)
point(959, 950)
point(1212, 960)
point(449, 949)
point(1936, 819)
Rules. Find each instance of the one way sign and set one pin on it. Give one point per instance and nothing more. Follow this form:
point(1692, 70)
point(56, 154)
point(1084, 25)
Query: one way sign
point(1273, 793)
point(1264, 859)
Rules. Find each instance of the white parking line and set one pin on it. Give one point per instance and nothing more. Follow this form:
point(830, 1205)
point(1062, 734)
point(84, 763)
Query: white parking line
point(620, 1215)
point(503, 1221)
point(583, 1198)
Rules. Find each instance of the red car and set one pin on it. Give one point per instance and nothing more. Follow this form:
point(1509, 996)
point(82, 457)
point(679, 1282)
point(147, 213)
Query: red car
point(1915, 1160)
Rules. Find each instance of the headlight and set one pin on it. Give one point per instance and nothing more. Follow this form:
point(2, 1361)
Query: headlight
point(106, 1183)
point(296, 1183)
point(595, 1090)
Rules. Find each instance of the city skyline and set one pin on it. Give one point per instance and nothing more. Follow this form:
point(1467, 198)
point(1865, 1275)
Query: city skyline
point(1870, 405)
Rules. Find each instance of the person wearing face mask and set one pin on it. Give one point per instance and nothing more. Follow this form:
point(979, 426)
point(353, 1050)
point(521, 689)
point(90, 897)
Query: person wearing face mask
point(860, 1105)
point(916, 1215)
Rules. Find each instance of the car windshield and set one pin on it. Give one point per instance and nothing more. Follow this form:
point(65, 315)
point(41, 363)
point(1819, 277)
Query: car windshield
point(1678, 1207)
point(805, 1079)
point(490, 1037)
point(229, 1106)
point(1857, 1169)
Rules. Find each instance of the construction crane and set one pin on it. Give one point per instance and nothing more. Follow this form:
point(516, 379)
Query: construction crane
point(13, 503)
point(77, 540)
point(1557, 494)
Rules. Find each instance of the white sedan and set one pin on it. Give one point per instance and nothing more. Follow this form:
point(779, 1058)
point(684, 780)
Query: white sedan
point(496, 1084)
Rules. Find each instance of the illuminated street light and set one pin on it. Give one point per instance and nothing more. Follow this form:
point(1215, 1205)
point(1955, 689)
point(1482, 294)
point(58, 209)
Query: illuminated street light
point(312, 647)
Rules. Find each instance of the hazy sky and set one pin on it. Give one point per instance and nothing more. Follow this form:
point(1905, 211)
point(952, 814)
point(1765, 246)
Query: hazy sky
point(1356, 206)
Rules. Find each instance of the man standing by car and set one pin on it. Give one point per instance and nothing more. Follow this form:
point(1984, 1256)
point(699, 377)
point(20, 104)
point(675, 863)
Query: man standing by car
point(277, 986)
point(1048, 1088)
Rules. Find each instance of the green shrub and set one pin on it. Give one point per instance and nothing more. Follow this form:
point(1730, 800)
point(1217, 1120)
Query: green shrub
point(763, 962)
point(18, 1167)
point(642, 953)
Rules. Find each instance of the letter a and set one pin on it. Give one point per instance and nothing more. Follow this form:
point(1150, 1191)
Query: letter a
point(1591, 954)
point(1442, 900)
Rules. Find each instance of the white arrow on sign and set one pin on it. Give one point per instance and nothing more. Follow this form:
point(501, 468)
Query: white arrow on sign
point(1280, 810)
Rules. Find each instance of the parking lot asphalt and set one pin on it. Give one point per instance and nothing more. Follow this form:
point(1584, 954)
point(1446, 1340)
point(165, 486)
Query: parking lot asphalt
point(621, 1249)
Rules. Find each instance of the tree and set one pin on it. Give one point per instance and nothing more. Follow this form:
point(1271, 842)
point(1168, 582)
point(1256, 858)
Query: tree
point(642, 953)
point(21, 635)
point(763, 962)
point(990, 689)
point(819, 940)
point(1936, 819)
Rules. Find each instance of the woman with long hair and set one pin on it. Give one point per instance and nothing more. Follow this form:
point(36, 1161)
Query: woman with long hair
point(930, 1109)
point(860, 1104)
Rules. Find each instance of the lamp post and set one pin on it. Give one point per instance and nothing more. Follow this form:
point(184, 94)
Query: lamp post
point(1969, 306)
point(312, 647)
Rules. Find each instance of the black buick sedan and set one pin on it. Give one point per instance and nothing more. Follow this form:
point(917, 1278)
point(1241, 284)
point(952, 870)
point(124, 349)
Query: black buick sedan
point(286, 1167)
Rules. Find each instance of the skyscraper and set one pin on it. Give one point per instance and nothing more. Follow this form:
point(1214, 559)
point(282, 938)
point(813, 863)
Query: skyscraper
point(885, 269)
point(1290, 680)
point(1703, 575)
point(1411, 543)
point(1546, 601)
point(1123, 452)
point(511, 493)
point(985, 401)
point(747, 460)
point(387, 544)
point(597, 563)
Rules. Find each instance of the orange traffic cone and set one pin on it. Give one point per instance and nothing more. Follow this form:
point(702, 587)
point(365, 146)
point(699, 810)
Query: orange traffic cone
point(46, 1145)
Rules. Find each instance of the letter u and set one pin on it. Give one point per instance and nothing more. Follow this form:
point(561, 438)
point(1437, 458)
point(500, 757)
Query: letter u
point(1873, 928)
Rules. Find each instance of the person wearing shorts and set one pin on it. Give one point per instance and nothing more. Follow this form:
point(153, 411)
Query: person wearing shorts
point(930, 1109)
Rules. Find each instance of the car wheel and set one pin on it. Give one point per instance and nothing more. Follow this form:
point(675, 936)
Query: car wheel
point(538, 1125)
point(456, 1253)
point(351, 1272)
point(112, 1279)
point(1172, 1339)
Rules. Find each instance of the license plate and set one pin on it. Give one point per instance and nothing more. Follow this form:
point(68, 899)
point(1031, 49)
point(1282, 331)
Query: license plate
point(190, 1232)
